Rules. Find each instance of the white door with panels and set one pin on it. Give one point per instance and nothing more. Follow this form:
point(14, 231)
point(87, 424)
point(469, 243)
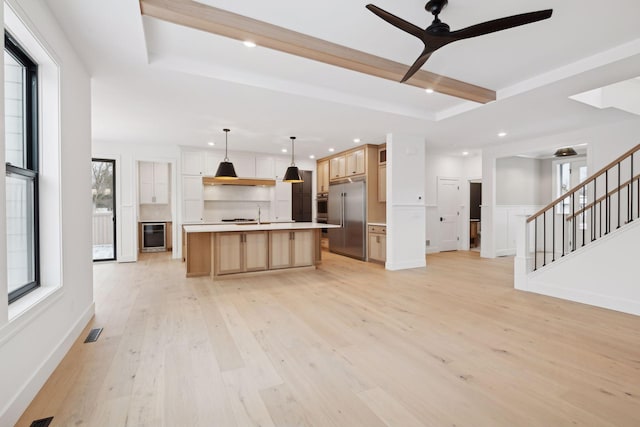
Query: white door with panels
point(448, 212)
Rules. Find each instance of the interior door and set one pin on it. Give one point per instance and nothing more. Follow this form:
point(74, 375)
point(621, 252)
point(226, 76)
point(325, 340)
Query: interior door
point(448, 205)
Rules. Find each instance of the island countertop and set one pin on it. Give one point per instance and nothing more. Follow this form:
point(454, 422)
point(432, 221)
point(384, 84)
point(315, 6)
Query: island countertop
point(265, 226)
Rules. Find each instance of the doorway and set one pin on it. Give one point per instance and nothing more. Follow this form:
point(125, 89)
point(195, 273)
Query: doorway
point(448, 204)
point(301, 198)
point(103, 191)
point(475, 215)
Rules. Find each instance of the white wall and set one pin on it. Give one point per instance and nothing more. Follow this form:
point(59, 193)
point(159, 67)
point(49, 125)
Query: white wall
point(33, 343)
point(603, 274)
point(522, 181)
point(605, 144)
point(405, 202)
point(447, 166)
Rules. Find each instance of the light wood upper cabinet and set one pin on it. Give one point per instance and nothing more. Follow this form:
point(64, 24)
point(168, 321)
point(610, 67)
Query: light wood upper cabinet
point(337, 167)
point(355, 163)
point(382, 183)
point(153, 180)
point(323, 176)
point(346, 165)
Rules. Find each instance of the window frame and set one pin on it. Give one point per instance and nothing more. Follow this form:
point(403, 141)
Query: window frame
point(31, 147)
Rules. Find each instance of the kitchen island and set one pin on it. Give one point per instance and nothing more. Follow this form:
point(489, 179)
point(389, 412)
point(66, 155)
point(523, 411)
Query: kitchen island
point(225, 249)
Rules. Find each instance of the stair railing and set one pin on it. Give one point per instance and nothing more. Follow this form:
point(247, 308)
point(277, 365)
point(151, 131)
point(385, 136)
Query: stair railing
point(602, 203)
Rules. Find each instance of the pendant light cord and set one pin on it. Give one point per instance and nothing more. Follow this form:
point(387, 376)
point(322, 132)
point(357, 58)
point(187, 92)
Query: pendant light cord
point(226, 144)
point(292, 151)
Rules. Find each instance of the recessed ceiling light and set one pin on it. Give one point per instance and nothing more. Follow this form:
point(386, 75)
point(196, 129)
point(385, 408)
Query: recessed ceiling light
point(284, 150)
point(249, 43)
point(312, 156)
point(211, 143)
point(502, 134)
point(465, 153)
point(356, 140)
point(429, 90)
point(331, 150)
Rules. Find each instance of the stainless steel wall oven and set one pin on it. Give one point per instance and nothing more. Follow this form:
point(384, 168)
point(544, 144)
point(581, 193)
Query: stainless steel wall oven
point(322, 205)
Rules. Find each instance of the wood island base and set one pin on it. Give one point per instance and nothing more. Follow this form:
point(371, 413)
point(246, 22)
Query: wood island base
point(250, 250)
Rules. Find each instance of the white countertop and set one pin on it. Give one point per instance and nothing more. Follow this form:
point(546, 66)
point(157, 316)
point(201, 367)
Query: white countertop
point(379, 224)
point(218, 228)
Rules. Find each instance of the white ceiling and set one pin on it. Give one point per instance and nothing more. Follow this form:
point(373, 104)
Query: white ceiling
point(155, 82)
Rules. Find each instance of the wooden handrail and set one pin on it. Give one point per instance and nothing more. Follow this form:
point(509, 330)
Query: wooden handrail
point(585, 182)
point(601, 198)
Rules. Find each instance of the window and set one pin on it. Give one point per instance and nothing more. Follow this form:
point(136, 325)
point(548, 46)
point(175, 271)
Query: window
point(569, 174)
point(21, 156)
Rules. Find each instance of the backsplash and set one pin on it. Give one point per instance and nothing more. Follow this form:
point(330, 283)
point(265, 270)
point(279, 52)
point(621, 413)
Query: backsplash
point(155, 213)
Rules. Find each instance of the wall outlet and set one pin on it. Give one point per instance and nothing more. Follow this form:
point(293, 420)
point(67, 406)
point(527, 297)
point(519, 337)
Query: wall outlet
point(427, 242)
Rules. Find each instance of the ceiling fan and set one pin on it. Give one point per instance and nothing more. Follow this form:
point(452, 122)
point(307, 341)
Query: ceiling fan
point(438, 33)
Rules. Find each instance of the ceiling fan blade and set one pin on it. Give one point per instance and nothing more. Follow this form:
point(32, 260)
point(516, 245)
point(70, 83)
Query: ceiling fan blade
point(500, 24)
point(397, 22)
point(426, 53)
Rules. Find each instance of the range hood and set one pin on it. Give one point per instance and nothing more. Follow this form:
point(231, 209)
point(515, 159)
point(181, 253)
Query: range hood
point(248, 182)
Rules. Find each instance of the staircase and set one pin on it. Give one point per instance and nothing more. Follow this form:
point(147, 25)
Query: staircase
point(591, 214)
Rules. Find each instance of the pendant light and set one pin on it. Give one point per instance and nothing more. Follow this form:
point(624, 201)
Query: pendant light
point(226, 169)
point(292, 174)
point(565, 152)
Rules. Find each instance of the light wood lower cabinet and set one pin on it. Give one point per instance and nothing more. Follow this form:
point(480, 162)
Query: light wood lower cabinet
point(240, 252)
point(291, 249)
point(377, 243)
point(225, 253)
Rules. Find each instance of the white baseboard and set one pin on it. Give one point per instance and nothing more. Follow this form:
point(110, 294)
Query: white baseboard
point(584, 297)
point(405, 265)
point(13, 410)
point(506, 252)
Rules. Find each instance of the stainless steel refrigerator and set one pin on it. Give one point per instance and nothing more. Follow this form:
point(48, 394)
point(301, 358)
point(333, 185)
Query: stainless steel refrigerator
point(347, 208)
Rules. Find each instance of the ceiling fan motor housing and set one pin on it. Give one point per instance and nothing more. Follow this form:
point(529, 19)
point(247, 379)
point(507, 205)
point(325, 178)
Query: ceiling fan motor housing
point(436, 6)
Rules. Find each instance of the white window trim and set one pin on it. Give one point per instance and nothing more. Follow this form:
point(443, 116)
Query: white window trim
point(51, 262)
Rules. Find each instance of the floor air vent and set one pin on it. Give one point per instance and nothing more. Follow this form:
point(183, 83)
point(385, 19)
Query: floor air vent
point(93, 335)
point(42, 423)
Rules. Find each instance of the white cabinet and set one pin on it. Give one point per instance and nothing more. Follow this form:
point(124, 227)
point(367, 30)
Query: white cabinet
point(192, 163)
point(153, 178)
point(192, 203)
point(211, 162)
point(282, 194)
point(244, 164)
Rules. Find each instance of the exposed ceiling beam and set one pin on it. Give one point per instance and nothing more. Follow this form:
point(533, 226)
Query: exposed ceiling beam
point(221, 22)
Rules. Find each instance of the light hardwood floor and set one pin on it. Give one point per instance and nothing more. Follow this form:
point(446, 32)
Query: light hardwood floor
point(349, 344)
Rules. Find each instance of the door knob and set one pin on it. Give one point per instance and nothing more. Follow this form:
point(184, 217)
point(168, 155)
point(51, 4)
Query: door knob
point(441, 219)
